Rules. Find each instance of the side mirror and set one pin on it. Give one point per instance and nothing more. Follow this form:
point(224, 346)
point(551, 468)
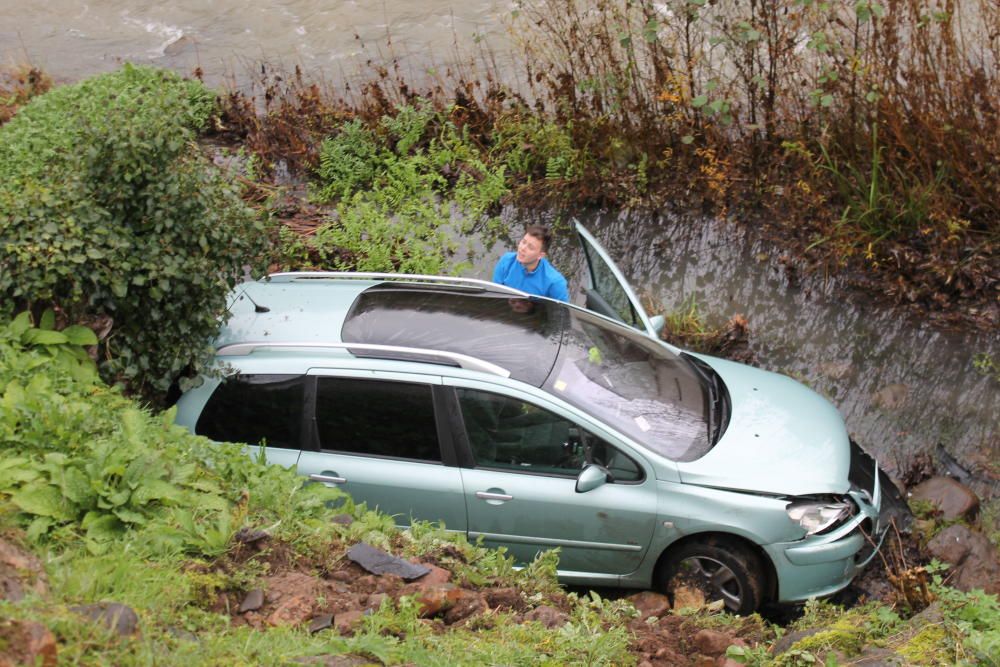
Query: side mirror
point(658, 322)
point(591, 477)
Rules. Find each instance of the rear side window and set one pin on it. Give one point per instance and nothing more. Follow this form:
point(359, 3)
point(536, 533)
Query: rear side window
point(376, 418)
point(256, 409)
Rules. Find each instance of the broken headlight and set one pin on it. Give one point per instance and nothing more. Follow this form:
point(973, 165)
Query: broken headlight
point(816, 517)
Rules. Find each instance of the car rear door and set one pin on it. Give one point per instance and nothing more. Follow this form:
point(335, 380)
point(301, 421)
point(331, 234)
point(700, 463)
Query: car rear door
point(377, 436)
point(607, 291)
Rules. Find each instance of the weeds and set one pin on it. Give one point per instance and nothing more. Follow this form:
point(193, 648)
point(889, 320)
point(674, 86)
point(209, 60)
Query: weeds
point(792, 114)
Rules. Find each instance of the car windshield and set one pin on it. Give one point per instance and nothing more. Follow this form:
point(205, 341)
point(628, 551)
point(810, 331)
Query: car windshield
point(616, 374)
point(634, 385)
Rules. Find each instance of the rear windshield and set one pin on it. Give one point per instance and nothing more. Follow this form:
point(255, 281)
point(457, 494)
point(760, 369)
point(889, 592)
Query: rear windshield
point(521, 335)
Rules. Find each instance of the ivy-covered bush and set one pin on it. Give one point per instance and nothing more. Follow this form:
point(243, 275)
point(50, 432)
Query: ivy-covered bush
point(109, 207)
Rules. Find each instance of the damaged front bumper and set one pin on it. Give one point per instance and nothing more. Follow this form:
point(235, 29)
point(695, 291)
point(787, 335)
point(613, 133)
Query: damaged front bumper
point(823, 564)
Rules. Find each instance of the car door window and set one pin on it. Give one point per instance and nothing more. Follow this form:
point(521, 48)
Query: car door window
point(255, 409)
point(507, 433)
point(376, 418)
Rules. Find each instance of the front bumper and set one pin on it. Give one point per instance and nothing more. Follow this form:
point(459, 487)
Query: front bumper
point(820, 565)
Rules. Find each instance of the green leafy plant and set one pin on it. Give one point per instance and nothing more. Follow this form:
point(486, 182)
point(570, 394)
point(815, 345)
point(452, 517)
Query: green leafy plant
point(399, 187)
point(109, 208)
point(82, 464)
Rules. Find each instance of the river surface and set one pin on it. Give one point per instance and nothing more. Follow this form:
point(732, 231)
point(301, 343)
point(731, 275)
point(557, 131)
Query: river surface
point(905, 388)
point(72, 39)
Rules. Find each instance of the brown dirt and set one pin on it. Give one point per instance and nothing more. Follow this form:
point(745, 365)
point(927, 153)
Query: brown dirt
point(332, 594)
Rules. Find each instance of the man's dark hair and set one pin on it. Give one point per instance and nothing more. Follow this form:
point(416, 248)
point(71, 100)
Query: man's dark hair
point(542, 233)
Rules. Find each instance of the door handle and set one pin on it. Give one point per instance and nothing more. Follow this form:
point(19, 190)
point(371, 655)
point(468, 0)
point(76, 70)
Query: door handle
point(487, 495)
point(329, 479)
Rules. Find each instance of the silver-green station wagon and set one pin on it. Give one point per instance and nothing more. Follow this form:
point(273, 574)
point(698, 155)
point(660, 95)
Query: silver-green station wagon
point(535, 424)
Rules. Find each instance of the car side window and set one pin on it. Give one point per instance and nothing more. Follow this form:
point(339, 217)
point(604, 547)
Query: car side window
point(376, 418)
point(255, 409)
point(507, 433)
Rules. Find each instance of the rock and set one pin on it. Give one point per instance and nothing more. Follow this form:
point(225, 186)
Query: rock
point(435, 575)
point(286, 585)
point(253, 601)
point(975, 561)
point(182, 634)
point(249, 535)
point(321, 622)
point(468, 605)
point(952, 499)
point(703, 661)
point(21, 573)
point(346, 622)
point(388, 583)
point(27, 643)
point(112, 615)
point(294, 610)
point(178, 45)
point(437, 599)
point(649, 603)
point(687, 597)
point(951, 545)
point(504, 598)
point(550, 617)
point(713, 643)
point(377, 561)
point(788, 640)
point(375, 600)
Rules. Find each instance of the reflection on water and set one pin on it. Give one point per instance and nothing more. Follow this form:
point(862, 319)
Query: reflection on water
point(903, 386)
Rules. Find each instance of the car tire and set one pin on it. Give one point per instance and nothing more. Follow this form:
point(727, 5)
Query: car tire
point(719, 568)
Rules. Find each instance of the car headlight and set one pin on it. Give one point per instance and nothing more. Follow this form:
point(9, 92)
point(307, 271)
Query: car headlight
point(816, 517)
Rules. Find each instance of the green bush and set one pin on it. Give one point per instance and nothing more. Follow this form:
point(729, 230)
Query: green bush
point(109, 207)
point(403, 189)
point(81, 464)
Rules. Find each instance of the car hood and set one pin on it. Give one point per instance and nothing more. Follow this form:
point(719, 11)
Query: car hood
point(783, 438)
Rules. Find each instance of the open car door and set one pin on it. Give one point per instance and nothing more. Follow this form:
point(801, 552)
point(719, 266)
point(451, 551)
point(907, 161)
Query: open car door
point(607, 291)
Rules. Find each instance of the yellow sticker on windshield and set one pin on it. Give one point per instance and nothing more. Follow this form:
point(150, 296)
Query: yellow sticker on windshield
point(560, 385)
point(594, 355)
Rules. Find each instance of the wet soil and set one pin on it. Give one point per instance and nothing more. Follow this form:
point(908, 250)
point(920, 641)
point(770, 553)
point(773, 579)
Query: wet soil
point(333, 594)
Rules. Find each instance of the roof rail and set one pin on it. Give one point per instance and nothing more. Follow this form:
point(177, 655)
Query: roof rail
point(288, 276)
point(454, 358)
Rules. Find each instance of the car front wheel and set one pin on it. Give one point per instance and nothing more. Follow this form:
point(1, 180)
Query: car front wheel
point(718, 569)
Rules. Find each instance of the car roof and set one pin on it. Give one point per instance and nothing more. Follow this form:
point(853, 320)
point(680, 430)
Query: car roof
point(513, 333)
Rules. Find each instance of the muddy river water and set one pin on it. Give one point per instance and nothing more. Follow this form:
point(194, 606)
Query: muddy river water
point(71, 39)
point(906, 388)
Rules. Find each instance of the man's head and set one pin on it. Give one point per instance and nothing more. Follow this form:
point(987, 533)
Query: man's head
point(533, 246)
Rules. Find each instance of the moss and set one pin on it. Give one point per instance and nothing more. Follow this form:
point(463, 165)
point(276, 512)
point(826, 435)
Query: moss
point(844, 635)
point(927, 647)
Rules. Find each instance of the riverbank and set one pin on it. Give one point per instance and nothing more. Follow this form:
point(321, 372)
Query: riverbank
point(167, 553)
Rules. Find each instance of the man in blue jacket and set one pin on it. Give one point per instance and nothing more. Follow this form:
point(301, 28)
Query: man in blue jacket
point(528, 270)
